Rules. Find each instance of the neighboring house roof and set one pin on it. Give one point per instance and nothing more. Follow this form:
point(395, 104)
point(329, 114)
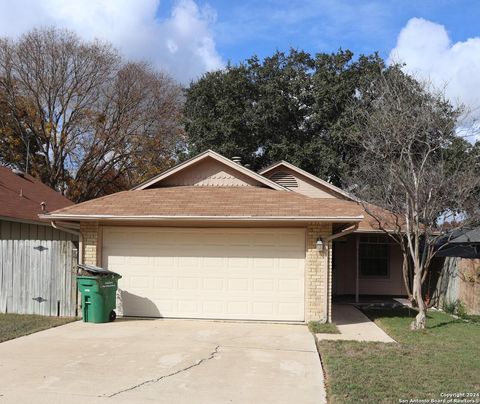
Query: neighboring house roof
point(312, 177)
point(461, 251)
point(468, 237)
point(261, 180)
point(20, 197)
point(215, 203)
point(464, 243)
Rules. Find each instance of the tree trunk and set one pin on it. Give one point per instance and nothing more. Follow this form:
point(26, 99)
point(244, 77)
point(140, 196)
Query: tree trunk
point(406, 277)
point(421, 319)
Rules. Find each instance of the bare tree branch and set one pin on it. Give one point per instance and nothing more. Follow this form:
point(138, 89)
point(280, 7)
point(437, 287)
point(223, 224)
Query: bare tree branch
point(98, 124)
point(416, 179)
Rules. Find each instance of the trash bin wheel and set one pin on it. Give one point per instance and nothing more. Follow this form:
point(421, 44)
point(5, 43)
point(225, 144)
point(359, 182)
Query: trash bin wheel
point(113, 315)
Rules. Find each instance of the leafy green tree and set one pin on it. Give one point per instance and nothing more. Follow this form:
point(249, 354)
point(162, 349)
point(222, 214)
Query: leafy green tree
point(289, 106)
point(221, 105)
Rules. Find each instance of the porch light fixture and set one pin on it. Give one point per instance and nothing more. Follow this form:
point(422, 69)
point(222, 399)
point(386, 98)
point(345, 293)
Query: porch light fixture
point(319, 244)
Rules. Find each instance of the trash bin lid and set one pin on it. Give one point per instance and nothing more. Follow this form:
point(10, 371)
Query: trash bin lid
point(97, 270)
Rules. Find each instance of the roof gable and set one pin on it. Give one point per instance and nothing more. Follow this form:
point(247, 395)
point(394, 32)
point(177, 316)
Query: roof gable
point(21, 196)
point(209, 169)
point(307, 184)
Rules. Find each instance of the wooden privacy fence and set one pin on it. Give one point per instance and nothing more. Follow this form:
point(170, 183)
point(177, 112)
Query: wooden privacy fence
point(459, 280)
point(37, 264)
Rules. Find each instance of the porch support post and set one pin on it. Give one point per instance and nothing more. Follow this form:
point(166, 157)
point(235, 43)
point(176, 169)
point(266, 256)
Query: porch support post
point(357, 268)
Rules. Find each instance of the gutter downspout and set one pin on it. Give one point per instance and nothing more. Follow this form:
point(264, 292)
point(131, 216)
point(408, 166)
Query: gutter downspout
point(326, 242)
point(80, 256)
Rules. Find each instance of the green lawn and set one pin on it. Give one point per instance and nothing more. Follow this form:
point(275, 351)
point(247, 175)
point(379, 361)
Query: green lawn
point(444, 358)
point(15, 325)
point(317, 327)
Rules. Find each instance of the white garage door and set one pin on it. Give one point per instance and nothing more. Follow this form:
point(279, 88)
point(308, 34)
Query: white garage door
point(255, 274)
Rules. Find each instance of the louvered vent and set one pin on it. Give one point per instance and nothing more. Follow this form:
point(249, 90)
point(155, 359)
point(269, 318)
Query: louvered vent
point(284, 179)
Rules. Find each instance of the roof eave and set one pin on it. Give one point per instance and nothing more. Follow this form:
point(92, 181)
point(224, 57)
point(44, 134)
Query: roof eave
point(336, 219)
point(21, 220)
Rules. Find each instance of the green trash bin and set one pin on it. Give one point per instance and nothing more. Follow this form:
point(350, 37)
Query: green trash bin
point(98, 289)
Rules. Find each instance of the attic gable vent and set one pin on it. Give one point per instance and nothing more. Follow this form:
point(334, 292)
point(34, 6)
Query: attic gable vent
point(284, 179)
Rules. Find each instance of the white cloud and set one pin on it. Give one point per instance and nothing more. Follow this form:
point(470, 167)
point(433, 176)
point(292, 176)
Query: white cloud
point(183, 44)
point(428, 52)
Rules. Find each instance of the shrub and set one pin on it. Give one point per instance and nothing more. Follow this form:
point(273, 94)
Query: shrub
point(461, 310)
point(450, 306)
point(455, 307)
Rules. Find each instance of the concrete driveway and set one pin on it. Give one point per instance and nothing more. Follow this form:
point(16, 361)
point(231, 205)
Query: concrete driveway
point(166, 361)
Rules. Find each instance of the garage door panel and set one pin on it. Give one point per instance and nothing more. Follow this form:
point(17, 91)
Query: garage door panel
point(213, 307)
point(164, 260)
point(140, 282)
point(208, 273)
point(237, 285)
point(214, 262)
point(213, 284)
point(263, 285)
point(263, 308)
point(236, 262)
point(189, 283)
point(164, 283)
point(289, 309)
point(238, 308)
point(290, 286)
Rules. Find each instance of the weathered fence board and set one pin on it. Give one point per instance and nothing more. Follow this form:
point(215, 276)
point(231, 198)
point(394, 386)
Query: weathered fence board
point(459, 280)
point(37, 266)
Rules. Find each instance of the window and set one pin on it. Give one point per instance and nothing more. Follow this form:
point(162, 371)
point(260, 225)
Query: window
point(374, 259)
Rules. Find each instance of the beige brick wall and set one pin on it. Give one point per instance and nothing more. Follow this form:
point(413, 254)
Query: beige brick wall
point(91, 233)
point(318, 284)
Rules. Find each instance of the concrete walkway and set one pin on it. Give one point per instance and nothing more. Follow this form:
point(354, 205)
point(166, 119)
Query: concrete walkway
point(354, 326)
point(163, 361)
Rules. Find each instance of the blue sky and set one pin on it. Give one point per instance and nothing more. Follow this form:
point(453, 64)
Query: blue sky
point(437, 40)
point(243, 28)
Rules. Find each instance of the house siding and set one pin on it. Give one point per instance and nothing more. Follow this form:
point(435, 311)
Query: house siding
point(318, 275)
point(209, 173)
point(305, 185)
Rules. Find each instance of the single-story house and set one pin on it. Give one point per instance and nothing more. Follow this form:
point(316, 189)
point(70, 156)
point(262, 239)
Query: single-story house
point(210, 238)
point(36, 260)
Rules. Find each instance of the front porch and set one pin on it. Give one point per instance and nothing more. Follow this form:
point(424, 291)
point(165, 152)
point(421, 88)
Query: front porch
point(366, 267)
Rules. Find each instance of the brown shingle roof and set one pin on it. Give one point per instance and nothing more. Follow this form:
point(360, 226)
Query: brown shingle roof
point(388, 219)
point(194, 201)
point(20, 197)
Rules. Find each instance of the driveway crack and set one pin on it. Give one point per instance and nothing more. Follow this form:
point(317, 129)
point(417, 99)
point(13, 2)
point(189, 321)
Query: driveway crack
point(158, 379)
